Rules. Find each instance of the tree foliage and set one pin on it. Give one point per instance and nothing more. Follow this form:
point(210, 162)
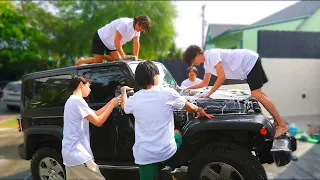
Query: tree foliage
point(58, 32)
point(81, 19)
point(19, 40)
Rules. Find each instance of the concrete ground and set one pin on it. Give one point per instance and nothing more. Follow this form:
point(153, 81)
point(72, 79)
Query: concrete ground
point(307, 167)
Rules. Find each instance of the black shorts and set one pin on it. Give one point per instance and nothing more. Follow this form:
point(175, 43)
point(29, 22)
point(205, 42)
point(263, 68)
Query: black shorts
point(98, 47)
point(257, 77)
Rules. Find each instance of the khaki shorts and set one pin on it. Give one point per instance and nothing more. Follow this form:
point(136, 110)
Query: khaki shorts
point(89, 170)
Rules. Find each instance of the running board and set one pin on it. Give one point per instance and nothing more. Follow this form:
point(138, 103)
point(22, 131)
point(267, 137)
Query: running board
point(120, 167)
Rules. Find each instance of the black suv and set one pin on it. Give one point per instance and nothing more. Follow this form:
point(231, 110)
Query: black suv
point(232, 145)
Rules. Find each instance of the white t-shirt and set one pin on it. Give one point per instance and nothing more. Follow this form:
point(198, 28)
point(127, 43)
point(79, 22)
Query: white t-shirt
point(237, 63)
point(188, 83)
point(76, 140)
point(154, 123)
point(125, 28)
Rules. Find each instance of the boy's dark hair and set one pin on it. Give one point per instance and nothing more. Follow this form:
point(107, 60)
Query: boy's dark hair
point(145, 73)
point(77, 79)
point(144, 21)
point(191, 52)
point(193, 69)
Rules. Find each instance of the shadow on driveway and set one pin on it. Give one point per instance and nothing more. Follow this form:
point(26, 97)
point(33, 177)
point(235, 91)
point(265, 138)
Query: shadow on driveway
point(24, 175)
point(307, 167)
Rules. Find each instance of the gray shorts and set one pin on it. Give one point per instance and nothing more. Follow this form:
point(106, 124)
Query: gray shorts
point(89, 170)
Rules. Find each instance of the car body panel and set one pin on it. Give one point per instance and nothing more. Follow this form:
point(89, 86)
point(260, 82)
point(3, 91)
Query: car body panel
point(235, 110)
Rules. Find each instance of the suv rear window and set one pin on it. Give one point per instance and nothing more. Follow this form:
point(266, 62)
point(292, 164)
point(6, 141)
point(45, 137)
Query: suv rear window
point(47, 92)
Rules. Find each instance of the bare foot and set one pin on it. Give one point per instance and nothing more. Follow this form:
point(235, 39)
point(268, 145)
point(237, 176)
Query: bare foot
point(281, 130)
point(79, 61)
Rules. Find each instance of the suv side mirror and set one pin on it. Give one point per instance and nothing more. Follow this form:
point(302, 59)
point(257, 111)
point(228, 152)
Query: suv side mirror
point(130, 93)
point(118, 92)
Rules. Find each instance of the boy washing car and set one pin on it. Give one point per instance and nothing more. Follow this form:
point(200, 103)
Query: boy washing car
point(156, 140)
point(234, 64)
point(76, 152)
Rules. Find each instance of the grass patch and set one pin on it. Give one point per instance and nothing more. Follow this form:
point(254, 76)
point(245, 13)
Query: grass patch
point(10, 123)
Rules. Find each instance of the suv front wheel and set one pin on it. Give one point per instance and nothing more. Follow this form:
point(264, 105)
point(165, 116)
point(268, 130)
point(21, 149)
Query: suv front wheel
point(47, 164)
point(224, 162)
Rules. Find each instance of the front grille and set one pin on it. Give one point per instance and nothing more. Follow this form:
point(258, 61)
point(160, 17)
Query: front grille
point(254, 106)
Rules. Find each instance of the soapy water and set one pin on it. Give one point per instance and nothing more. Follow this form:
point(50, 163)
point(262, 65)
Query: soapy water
point(222, 101)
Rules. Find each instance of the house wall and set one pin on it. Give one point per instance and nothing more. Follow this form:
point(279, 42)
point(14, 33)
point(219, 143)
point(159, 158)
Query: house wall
point(209, 46)
point(312, 23)
point(226, 42)
point(289, 80)
point(250, 36)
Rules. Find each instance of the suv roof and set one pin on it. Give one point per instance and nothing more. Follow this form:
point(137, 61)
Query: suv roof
point(81, 67)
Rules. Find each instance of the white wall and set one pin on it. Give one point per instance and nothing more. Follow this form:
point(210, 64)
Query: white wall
point(288, 80)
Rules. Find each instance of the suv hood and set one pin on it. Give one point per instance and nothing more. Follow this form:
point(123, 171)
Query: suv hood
point(224, 101)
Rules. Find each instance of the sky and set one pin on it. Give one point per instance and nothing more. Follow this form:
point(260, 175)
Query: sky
point(188, 24)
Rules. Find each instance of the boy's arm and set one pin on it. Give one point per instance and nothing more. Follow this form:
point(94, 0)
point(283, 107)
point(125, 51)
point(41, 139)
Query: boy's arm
point(117, 44)
point(181, 103)
point(221, 77)
point(136, 46)
point(98, 120)
point(195, 109)
point(101, 110)
point(204, 82)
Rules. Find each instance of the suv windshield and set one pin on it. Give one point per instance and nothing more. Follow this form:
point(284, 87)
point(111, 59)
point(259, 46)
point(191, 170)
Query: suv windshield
point(165, 78)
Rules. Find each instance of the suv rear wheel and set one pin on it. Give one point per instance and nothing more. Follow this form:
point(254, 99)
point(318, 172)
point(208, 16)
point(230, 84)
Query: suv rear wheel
point(224, 162)
point(47, 164)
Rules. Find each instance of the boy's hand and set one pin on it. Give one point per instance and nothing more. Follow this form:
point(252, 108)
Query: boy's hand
point(203, 113)
point(202, 95)
point(126, 88)
point(177, 131)
point(115, 101)
point(126, 57)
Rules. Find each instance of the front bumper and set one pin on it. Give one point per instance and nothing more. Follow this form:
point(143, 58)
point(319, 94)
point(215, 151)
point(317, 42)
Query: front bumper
point(282, 149)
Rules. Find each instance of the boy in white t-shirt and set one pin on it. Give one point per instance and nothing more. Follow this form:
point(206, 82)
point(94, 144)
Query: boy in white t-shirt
point(192, 77)
point(76, 151)
point(156, 140)
point(234, 64)
point(110, 38)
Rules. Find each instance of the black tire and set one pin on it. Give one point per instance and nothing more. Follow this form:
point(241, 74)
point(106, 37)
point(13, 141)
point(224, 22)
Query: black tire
point(231, 154)
point(40, 155)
